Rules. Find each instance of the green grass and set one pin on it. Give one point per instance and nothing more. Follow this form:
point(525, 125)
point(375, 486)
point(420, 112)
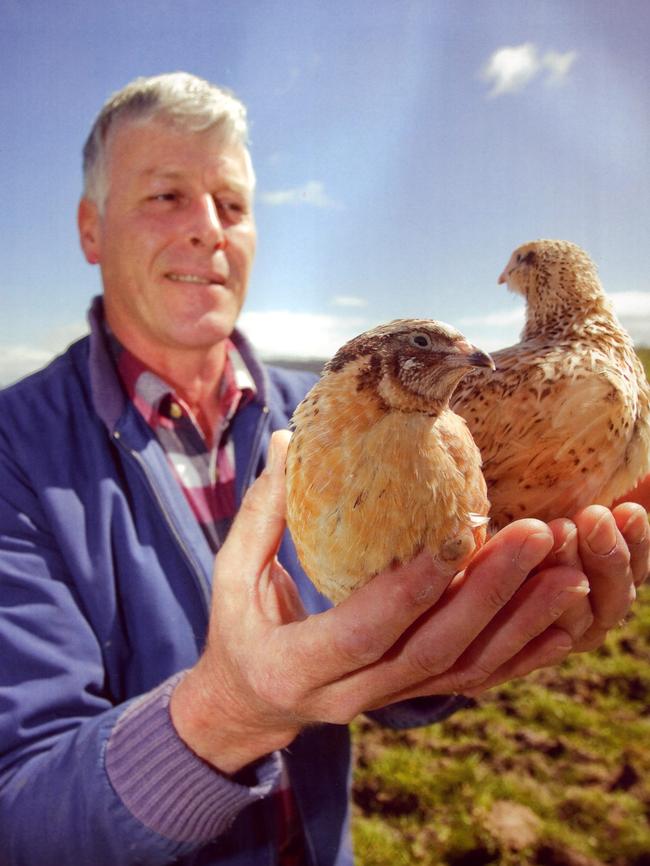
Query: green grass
point(571, 744)
point(644, 353)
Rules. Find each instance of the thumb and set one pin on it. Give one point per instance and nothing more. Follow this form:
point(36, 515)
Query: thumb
point(277, 456)
point(257, 529)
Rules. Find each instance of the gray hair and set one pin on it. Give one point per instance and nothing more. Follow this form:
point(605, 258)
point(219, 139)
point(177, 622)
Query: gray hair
point(185, 100)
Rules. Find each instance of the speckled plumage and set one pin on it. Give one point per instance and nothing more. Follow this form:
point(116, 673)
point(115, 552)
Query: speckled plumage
point(564, 421)
point(379, 467)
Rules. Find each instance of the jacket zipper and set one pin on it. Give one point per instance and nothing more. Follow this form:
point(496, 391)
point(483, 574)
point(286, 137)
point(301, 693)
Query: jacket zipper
point(195, 567)
point(249, 474)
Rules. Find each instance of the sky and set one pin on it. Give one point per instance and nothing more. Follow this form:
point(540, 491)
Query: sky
point(403, 149)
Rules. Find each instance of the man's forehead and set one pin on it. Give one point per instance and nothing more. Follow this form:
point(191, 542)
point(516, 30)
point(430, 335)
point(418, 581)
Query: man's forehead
point(156, 148)
point(224, 167)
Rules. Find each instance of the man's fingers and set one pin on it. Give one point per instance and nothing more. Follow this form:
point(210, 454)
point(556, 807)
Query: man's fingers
point(256, 532)
point(364, 627)
point(249, 582)
point(432, 645)
point(445, 625)
point(536, 607)
point(490, 580)
point(606, 562)
point(578, 617)
point(544, 599)
point(278, 596)
point(565, 544)
point(632, 522)
point(550, 648)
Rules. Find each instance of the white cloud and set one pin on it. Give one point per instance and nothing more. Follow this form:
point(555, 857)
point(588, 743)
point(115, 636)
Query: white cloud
point(505, 318)
point(511, 68)
point(310, 193)
point(631, 303)
point(274, 333)
point(633, 309)
point(493, 330)
point(558, 65)
point(289, 334)
point(348, 301)
point(499, 329)
point(18, 360)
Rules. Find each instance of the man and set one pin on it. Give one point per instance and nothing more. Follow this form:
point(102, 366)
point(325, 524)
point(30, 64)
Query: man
point(155, 710)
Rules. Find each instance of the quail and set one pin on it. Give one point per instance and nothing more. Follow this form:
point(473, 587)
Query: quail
point(379, 467)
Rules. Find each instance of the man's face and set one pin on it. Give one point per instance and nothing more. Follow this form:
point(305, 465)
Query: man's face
point(176, 239)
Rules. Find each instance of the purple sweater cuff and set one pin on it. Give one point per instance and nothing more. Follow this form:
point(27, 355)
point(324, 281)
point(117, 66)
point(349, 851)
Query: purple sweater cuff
point(165, 785)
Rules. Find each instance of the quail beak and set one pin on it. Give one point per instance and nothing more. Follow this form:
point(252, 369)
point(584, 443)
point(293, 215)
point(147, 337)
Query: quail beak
point(502, 278)
point(467, 355)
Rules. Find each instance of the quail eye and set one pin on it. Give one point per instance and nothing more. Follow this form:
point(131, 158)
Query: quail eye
point(422, 341)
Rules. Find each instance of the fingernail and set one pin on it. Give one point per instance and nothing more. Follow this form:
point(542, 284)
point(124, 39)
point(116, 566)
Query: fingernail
point(636, 528)
point(457, 549)
point(533, 550)
point(272, 456)
point(557, 653)
point(602, 538)
point(581, 588)
point(568, 596)
point(561, 553)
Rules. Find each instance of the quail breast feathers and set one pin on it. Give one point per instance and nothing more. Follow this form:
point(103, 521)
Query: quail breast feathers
point(379, 467)
point(564, 421)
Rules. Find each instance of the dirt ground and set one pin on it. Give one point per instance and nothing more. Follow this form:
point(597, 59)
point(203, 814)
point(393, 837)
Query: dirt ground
point(551, 771)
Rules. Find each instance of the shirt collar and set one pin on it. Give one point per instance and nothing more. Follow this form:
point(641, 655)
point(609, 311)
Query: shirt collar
point(156, 399)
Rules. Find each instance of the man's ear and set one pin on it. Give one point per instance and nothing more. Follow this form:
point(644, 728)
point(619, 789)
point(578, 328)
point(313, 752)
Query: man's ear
point(88, 221)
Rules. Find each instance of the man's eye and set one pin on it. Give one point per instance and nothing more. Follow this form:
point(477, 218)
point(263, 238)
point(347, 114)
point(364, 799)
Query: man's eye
point(233, 207)
point(165, 196)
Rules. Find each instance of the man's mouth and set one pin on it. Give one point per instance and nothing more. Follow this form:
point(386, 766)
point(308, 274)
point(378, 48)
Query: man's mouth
point(197, 279)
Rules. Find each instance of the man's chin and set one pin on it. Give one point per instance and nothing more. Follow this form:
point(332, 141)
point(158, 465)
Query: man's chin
point(209, 331)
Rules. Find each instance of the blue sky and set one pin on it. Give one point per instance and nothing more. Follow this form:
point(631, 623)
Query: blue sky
point(403, 148)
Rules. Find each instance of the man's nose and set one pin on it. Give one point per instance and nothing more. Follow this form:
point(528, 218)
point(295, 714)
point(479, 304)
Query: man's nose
point(206, 229)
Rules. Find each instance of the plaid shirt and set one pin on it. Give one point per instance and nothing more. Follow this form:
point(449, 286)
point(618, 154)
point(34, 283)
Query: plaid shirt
point(205, 471)
point(206, 474)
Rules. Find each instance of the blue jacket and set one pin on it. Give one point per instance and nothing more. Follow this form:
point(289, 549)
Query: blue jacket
point(105, 583)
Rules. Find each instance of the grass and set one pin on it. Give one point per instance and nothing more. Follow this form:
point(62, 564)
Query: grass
point(644, 353)
point(552, 770)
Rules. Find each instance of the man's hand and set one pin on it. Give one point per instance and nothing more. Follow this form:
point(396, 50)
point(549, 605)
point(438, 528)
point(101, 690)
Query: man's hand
point(612, 548)
point(269, 669)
